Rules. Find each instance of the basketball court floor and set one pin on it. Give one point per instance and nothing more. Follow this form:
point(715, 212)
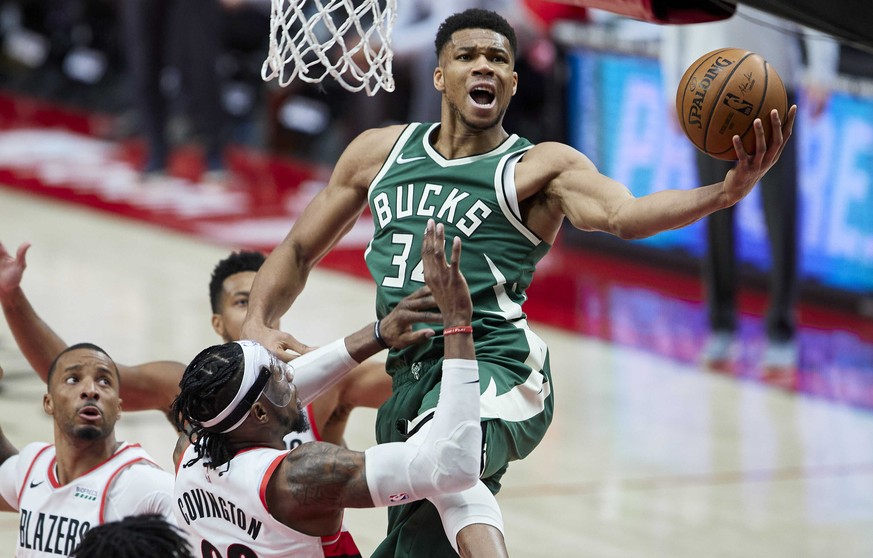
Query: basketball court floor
point(647, 456)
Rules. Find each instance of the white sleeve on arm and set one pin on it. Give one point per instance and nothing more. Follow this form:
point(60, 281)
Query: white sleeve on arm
point(318, 370)
point(447, 457)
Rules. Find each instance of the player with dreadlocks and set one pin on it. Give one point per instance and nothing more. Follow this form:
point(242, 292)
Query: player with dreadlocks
point(237, 487)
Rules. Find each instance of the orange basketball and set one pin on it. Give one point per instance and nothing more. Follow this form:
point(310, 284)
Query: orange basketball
point(721, 95)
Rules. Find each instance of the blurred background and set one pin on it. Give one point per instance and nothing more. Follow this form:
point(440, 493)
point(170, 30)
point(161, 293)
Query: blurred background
point(155, 111)
point(169, 93)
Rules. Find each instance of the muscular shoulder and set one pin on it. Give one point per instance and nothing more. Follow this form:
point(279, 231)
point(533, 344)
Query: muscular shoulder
point(541, 178)
point(546, 162)
point(553, 157)
point(323, 462)
point(364, 156)
point(319, 476)
point(379, 139)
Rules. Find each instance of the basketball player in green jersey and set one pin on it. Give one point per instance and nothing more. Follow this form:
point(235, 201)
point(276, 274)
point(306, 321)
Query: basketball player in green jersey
point(507, 200)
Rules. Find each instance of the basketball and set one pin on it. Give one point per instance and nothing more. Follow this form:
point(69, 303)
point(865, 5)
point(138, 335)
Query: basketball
point(721, 95)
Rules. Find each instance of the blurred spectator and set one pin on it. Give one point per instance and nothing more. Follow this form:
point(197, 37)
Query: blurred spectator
point(779, 42)
point(193, 28)
point(60, 49)
point(245, 33)
point(414, 53)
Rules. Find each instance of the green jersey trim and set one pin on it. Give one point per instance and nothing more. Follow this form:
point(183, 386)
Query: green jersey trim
point(445, 163)
point(507, 195)
point(396, 151)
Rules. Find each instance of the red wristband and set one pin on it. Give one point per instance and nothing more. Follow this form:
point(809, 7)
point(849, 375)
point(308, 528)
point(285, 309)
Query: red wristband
point(458, 329)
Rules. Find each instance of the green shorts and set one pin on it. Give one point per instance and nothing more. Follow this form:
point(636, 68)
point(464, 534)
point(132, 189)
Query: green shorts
point(517, 406)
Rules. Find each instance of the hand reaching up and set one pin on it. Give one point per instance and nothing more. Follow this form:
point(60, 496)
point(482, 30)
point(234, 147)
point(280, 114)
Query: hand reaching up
point(447, 284)
point(12, 268)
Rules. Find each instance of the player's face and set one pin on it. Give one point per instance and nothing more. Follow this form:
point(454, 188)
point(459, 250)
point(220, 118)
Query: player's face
point(293, 417)
point(83, 395)
point(476, 77)
point(234, 303)
point(281, 397)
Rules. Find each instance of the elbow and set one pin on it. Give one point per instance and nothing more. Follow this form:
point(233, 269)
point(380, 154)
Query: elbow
point(459, 459)
point(469, 479)
point(621, 223)
point(625, 230)
point(460, 479)
point(303, 258)
point(629, 234)
point(636, 235)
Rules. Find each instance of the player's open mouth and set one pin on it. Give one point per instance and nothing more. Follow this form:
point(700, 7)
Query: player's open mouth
point(90, 412)
point(483, 96)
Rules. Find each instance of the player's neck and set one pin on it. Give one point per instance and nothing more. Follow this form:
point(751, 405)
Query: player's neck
point(454, 140)
point(75, 457)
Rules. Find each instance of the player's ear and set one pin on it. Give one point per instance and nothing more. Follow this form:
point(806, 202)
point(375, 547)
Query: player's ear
point(48, 405)
point(439, 81)
point(218, 325)
point(514, 83)
point(259, 412)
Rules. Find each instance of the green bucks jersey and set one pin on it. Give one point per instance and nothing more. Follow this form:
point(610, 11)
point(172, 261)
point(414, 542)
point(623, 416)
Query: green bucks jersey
point(475, 198)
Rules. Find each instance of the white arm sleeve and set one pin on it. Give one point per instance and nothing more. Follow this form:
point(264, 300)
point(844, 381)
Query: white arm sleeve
point(318, 370)
point(446, 458)
point(461, 509)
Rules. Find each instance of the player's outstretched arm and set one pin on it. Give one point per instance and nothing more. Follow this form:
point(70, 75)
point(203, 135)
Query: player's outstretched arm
point(146, 386)
point(319, 370)
point(330, 215)
point(592, 201)
point(318, 480)
point(37, 341)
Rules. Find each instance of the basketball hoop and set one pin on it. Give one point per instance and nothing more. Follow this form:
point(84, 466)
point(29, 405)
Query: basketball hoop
point(349, 40)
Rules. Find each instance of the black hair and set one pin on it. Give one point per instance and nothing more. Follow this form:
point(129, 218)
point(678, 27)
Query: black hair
point(208, 385)
point(90, 347)
point(237, 262)
point(475, 18)
point(137, 536)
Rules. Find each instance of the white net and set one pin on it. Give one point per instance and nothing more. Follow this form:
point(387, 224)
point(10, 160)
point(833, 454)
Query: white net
point(349, 40)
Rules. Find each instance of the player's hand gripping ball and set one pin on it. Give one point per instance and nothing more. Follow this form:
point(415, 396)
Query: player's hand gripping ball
point(721, 95)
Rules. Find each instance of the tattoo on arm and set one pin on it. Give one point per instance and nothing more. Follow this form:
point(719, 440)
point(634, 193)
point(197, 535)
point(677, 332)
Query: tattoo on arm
point(326, 476)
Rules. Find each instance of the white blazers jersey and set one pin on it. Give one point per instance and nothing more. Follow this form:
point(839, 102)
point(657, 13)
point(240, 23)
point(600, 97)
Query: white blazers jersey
point(224, 510)
point(55, 517)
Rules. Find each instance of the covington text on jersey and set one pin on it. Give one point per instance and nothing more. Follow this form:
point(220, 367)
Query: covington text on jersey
point(50, 533)
point(199, 504)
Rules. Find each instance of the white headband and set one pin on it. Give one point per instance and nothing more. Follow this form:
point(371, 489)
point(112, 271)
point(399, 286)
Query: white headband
point(255, 357)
